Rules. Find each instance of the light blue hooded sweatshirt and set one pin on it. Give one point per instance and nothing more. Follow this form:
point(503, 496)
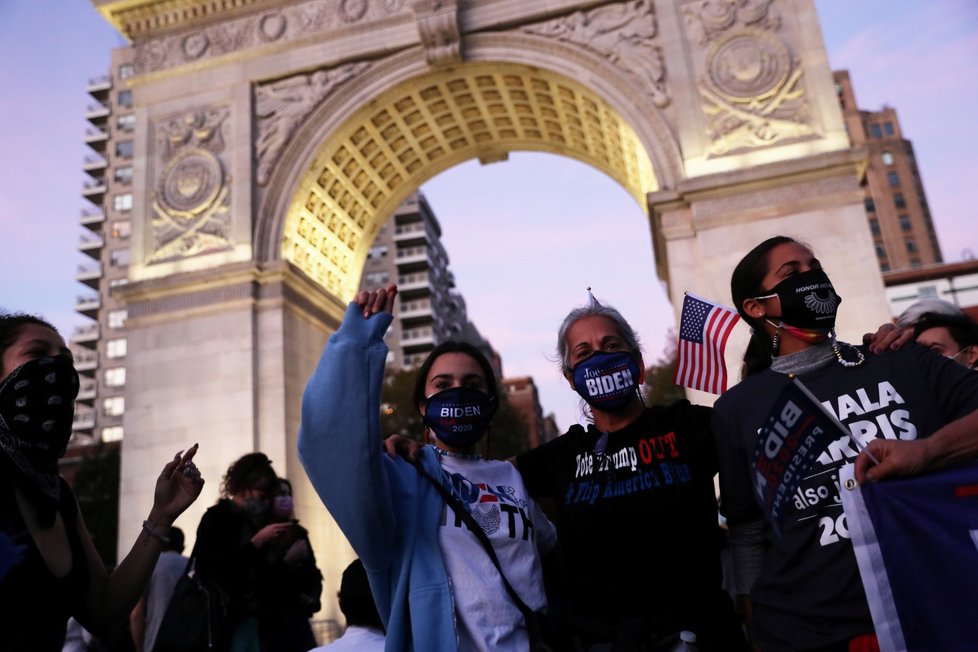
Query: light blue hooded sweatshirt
point(387, 510)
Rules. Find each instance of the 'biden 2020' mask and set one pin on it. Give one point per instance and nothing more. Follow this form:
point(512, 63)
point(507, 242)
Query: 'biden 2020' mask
point(459, 416)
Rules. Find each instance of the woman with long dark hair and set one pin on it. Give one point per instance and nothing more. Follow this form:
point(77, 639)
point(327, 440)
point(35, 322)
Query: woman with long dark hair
point(49, 568)
point(803, 584)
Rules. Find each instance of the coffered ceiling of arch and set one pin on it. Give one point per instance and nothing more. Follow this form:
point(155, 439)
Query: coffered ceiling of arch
point(424, 126)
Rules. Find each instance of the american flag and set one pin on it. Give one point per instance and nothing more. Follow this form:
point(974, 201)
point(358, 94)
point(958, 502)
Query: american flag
point(703, 331)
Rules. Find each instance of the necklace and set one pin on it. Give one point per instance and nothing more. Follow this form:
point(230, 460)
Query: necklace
point(860, 358)
point(461, 456)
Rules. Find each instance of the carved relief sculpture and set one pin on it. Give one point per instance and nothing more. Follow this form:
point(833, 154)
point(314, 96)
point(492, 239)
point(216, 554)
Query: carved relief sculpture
point(620, 32)
point(302, 20)
point(191, 204)
point(751, 87)
point(282, 106)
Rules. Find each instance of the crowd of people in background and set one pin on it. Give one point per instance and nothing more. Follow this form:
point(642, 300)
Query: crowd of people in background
point(607, 538)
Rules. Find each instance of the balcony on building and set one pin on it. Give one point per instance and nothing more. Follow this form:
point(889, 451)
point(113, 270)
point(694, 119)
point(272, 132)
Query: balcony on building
point(97, 114)
point(89, 275)
point(88, 305)
point(84, 420)
point(94, 190)
point(412, 259)
point(414, 339)
point(417, 281)
point(86, 362)
point(91, 245)
point(94, 164)
point(87, 391)
point(99, 87)
point(93, 219)
point(410, 310)
point(412, 233)
point(86, 335)
point(97, 138)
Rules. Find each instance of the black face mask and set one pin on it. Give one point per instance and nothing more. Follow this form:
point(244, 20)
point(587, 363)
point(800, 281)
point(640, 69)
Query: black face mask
point(808, 300)
point(37, 404)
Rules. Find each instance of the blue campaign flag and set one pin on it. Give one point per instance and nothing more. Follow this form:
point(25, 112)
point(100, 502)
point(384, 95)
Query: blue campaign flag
point(796, 432)
point(916, 543)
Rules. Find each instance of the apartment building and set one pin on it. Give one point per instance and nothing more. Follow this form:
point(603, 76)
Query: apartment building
point(408, 251)
point(100, 345)
point(896, 204)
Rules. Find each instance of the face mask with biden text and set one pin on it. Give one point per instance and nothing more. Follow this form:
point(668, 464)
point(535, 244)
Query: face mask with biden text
point(459, 416)
point(607, 381)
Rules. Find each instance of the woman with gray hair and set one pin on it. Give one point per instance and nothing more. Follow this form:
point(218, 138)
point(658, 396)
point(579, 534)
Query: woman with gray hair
point(633, 500)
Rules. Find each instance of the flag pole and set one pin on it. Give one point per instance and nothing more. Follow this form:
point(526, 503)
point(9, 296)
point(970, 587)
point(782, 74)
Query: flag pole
point(861, 447)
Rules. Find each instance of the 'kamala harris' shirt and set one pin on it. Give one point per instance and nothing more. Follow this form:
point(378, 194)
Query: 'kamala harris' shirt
point(809, 593)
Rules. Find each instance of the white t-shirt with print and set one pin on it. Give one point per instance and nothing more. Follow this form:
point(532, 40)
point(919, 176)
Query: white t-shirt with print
point(493, 492)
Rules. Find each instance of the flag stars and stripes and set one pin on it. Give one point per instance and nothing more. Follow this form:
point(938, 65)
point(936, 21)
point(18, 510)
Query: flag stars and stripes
point(704, 328)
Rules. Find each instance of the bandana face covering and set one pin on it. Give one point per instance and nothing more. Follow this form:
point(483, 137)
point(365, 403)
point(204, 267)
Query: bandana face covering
point(607, 381)
point(809, 304)
point(36, 412)
point(459, 416)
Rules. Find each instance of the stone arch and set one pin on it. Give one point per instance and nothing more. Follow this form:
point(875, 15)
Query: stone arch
point(327, 199)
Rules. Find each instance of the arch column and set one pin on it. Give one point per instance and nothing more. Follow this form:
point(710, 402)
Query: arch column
point(702, 229)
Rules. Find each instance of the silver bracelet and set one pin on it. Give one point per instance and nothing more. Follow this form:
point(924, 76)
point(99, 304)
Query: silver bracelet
point(151, 531)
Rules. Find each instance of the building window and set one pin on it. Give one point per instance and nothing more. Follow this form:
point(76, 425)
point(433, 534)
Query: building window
point(888, 128)
point(899, 201)
point(893, 179)
point(112, 433)
point(905, 222)
point(874, 131)
point(887, 158)
point(115, 377)
point(123, 174)
point(122, 202)
point(126, 70)
point(124, 149)
point(126, 122)
point(880, 251)
point(911, 245)
point(927, 292)
point(119, 257)
point(874, 227)
point(124, 98)
point(121, 229)
point(375, 279)
point(117, 318)
point(114, 406)
point(116, 282)
point(116, 348)
point(377, 252)
point(870, 205)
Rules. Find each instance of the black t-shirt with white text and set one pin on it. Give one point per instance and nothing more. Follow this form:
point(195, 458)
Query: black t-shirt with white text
point(809, 593)
point(637, 522)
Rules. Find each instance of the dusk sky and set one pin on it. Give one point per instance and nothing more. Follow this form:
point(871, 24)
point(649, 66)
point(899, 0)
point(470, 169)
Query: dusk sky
point(525, 237)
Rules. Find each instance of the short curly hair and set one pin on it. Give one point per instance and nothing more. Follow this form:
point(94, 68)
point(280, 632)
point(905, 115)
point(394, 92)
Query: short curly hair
point(249, 472)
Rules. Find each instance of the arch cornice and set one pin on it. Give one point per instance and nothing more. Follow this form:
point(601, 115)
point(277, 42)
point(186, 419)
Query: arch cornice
point(612, 84)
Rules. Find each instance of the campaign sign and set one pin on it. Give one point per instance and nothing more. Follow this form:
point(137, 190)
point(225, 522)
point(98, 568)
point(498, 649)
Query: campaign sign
point(916, 543)
point(795, 433)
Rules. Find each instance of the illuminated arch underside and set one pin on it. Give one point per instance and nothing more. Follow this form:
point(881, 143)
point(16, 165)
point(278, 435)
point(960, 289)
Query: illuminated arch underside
point(421, 127)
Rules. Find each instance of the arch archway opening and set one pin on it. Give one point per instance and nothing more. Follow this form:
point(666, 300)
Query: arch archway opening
point(390, 146)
